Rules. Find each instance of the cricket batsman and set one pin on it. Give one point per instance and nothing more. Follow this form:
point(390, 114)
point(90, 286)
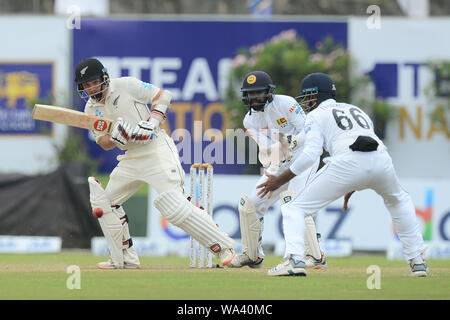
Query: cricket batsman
point(151, 157)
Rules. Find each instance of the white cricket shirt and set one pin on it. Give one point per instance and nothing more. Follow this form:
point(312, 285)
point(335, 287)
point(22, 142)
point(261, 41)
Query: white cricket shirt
point(283, 114)
point(333, 126)
point(127, 98)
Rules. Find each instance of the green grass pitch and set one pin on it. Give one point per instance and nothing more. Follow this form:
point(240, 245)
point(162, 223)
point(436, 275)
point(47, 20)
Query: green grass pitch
point(44, 276)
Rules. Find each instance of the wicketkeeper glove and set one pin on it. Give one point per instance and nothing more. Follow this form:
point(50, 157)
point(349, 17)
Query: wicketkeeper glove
point(293, 141)
point(121, 132)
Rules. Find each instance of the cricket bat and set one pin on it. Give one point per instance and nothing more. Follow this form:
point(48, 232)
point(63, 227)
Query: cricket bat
point(71, 118)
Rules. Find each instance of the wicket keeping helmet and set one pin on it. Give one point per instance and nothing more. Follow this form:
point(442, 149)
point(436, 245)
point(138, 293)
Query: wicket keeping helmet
point(88, 70)
point(257, 81)
point(315, 88)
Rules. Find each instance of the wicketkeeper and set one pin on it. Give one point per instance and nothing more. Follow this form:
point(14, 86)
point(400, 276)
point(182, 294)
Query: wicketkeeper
point(151, 157)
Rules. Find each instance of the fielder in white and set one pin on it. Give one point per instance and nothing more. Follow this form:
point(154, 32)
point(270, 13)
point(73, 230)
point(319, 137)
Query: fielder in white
point(273, 121)
point(358, 160)
point(151, 157)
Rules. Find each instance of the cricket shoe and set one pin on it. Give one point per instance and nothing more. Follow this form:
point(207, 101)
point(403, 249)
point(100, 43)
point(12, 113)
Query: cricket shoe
point(243, 260)
point(257, 264)
point(226, 256)
point(109, 265)
point(419, 269)
point(313, 263)
point(289, 268)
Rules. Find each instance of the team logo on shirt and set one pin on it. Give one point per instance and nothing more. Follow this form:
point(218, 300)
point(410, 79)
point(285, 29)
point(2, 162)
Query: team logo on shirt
point(295, 108)
point(251, 79)
point(98, 113)
point(282, 122)
point(116, 100)
point(147, 85)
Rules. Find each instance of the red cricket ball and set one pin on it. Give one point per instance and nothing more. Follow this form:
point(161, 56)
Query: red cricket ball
point(98, 212)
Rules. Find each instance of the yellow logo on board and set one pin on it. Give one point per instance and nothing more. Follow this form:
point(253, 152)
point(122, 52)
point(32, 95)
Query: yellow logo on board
point(17, 85)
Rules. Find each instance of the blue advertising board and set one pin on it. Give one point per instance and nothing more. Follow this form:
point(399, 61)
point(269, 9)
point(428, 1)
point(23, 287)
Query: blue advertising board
point(21, 84)
point(189, 58)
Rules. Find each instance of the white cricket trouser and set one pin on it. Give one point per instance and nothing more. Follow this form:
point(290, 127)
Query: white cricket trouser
point(262, 204)
point(345, 173)
point(160, 168)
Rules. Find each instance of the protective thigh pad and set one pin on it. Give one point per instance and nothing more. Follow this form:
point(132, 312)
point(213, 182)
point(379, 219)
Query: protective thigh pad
point(312, 247)
point(194, 221)
point(251, 227)
point(110, 223)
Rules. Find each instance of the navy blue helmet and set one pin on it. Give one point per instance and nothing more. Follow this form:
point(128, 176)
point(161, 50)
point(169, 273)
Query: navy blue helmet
point(315, 88)
point(88, 70)
point(257, 81)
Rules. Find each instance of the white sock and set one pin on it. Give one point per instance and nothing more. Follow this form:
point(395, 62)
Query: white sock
point(417, 260)
point(296, 258)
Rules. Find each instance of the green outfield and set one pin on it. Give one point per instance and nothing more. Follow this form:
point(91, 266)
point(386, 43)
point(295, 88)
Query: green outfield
point(45, 276)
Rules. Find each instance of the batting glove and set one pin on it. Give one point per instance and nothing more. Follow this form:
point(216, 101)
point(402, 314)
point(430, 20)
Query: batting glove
point(143, 133)
point(121, 132)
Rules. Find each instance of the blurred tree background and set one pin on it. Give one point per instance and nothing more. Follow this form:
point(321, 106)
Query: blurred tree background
point(288, 59)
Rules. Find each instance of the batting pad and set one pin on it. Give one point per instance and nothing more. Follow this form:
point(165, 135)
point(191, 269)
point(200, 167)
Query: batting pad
point(251, 227)
point(312, 247)
point(109, 221)
point(192, 220)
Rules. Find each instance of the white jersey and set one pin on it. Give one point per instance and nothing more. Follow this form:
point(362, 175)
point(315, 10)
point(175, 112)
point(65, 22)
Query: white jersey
point(334, 126)
point(283, 114)
point(127, 98)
